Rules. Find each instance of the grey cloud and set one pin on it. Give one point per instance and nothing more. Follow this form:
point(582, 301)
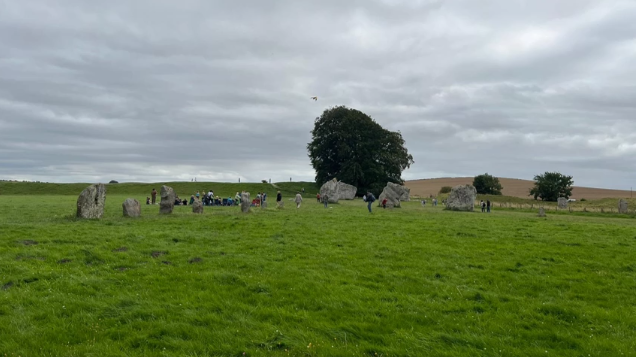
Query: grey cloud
point(159, 90)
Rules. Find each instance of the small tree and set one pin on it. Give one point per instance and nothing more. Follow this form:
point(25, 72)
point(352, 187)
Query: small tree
point(552, 185)
point(446, 189)
point(487, 185)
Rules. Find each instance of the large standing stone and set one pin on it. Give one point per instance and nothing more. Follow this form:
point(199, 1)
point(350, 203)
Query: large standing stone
point(167, 200)
point(394, 193)
point(622, 206)
point(462, 198)
point(337, 190)
point(245, 202)
point(563, 203)
point(90, 203)
point(131, 207)
point(197, 206)
point(541, 212)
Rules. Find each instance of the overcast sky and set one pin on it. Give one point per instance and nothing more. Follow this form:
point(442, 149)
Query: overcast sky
point(170, 90)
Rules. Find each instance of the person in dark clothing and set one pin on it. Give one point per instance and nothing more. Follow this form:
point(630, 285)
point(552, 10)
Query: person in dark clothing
point(370, 200)
point(325, 200)
point(483, 206)
point(153, 194)
point(279, 199)
point(488, 204)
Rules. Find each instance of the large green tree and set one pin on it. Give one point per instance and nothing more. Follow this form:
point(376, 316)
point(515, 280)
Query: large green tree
point(552, 185)
point(350, 146)
point(487, 184)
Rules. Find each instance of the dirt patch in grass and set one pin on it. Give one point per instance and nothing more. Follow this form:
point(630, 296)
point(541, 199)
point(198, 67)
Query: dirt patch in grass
point(157, 253)
point(122, 268)
point(166, 262)
point(29, 242)
point(195, 260)
point(64, 261)
point(121, 249)
point(7, 286)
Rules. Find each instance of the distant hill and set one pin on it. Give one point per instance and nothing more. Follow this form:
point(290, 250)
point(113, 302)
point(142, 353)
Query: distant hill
point(511, 187)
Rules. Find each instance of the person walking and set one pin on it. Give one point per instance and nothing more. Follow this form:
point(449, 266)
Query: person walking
point(488, 204)
point(298, 199)
point(370, 200)
point(153, 194)
point(325, 199)
point(279, 199)
point(483, 206)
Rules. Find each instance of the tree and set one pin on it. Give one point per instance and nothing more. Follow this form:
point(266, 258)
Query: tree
point(552, 185)
point(487, 184)
point(350, 146)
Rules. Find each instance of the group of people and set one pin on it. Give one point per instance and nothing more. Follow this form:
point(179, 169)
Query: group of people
point(485, 206)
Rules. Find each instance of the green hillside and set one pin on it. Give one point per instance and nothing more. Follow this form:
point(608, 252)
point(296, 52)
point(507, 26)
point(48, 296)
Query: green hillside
point(182, 189)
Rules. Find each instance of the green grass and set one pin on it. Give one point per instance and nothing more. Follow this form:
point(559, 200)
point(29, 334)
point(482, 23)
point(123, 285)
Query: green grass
point(416, 281)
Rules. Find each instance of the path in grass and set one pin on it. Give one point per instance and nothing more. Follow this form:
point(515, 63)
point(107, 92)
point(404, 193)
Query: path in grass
point(326, 282)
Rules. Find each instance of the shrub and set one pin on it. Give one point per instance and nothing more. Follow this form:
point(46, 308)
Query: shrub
point(582, 200)
point(264, 181)
point(446, 189)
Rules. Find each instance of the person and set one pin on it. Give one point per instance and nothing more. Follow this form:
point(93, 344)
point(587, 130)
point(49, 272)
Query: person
point(153, 194)
point(370, 200)
point(191, 200)
point(364, 198)
point(318, 197)
point(197, 195)
point(237, 198)
point(325, 200)
point(483, 206)
point(264, 196)
point(185, 202)
point(148, 200)
point(384, 203)
point(303, 190)
point(298, 199)
point(488, 204)
point(279, 199)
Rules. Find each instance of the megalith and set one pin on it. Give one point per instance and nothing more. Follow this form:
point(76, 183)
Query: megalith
point(541, 212)
point(245, 202)
point(337, 190)
point(394, 194)
point(563, 203)
point(90, 203)
point(197, 206)
point(622, 206)
point(131, 207)
point(462, 198)
point(167, 200)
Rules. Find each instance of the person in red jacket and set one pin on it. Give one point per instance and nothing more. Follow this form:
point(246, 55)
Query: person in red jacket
point(384, 203)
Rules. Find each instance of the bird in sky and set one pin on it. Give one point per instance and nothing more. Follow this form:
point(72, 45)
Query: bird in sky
point(314, 98)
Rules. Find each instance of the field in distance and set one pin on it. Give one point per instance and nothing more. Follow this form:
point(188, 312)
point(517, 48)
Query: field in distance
point(415, 281)
point(511, 187)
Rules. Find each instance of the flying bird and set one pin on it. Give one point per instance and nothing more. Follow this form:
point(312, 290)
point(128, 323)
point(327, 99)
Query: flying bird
point(314, 98)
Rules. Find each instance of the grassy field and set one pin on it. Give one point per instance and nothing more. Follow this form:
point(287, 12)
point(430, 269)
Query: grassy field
point(416, 281)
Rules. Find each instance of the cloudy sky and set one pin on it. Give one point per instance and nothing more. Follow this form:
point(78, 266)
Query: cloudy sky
point(168, 90)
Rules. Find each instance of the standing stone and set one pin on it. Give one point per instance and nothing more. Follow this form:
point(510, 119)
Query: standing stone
point(245, 202)
point(462, 198)
point(622, 207)
point(264, 204)
point(337, 190)
point(167, 200)
point(394, 193)
point(197, 206)
point(563, 203)
point(90, 203)
point(131, 207)
point(541, 212)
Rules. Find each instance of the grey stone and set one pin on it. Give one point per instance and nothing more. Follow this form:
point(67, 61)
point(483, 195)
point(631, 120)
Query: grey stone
point(337, 190)
point(462, 198)
point(394, 194)
point(245, 202)
point(541, 212)
point(563, 203)
point(90, 203)
point(622, 207)
point(197, 206)
point(131, 207)
point(167, 200)
point(264, 204)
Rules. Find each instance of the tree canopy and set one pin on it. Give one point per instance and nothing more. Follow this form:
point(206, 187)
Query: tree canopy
point(487, 184)
point(350, 146)
point(552, 185)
